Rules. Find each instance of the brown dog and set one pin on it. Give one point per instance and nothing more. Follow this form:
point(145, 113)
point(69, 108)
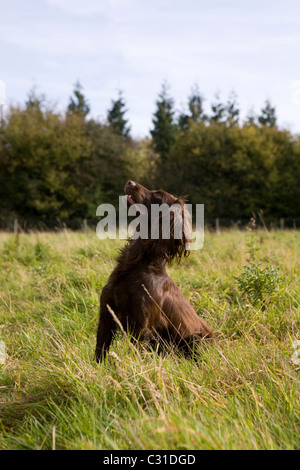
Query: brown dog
point(139, 291)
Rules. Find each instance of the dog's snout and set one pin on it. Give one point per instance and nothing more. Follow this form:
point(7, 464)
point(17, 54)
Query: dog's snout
point(130, 187)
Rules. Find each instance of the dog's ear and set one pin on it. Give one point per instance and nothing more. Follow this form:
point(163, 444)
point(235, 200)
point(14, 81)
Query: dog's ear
point(171, 230)
point(180, 230)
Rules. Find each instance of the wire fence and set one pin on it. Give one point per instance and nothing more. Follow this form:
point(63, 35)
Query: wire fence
point(18, 225)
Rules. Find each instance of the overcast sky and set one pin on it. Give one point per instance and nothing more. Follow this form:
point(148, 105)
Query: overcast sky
point(251, 47)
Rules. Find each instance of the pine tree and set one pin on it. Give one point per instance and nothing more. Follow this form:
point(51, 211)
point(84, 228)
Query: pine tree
point(164, 131)
point(195, 105)
point(34, 100)
point(225, 112)
point(218, 110)
point(251, 118)
point(78, 104)
point(232, 110)
point(115, 117)
point(268, 116)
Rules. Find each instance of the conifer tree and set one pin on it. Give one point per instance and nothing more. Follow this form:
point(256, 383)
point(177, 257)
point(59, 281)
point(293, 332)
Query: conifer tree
point(232, 110)
point(78, 103)
point(196, 112)
point(34, 100)
point(115, 117)
point(164, 130)
point(268, 116)
point(218, 110)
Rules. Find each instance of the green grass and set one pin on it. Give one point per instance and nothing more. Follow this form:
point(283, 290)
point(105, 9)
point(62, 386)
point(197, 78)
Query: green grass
point(242, 393)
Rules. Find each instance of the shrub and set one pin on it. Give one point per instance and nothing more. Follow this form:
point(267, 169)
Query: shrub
point(259, 283)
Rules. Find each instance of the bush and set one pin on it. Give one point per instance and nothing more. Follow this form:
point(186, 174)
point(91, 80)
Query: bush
point(260, 284)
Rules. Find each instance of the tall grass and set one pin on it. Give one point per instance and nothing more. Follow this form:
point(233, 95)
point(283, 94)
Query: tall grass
point(240, 393)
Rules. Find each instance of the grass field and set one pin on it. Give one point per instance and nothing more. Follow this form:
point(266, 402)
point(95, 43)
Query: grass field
point(242, 393)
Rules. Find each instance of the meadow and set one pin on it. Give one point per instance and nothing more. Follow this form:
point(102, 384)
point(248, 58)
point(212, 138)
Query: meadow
point(242, 392)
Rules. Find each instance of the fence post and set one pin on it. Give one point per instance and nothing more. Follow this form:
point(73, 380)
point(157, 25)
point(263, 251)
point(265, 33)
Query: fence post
point(282, 223)
point(16, 226)
point(217, 225)
point(84, 226)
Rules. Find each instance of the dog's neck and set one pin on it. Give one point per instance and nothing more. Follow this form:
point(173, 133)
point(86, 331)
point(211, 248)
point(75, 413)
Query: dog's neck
point(134, 254)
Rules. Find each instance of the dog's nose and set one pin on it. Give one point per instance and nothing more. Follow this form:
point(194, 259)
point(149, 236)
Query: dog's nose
point(131, 183)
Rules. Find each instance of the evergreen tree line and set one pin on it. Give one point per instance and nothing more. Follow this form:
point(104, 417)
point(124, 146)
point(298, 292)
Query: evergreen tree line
point(62, 165)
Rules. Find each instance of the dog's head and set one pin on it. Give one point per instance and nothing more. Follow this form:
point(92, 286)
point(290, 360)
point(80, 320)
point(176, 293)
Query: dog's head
point(168, 224)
